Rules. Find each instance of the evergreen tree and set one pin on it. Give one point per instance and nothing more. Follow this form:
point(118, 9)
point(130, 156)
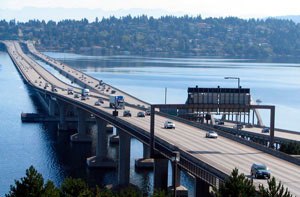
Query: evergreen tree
point(32, 185)
point(274, 190)
point(237, 185)
point(75, 187)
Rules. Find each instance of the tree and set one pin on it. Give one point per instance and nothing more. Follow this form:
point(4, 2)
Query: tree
point(159, 193)
point(104, 193)
point(75, 187)
point(32, 185)
point(237, 185)
point(274, 190)
point(290, 148)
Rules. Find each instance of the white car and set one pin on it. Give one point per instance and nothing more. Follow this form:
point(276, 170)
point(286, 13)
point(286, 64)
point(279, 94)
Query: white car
point(169, 125)
point(211, 134)
point(97, 103)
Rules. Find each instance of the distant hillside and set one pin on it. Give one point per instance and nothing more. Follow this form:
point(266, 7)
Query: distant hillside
point(231, 36)
point(295, 18)
point(58, 14)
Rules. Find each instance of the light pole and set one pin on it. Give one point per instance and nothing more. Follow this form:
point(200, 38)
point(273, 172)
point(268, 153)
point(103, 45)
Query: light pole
point(166, 91)
point(234, 78)
point(239, 87)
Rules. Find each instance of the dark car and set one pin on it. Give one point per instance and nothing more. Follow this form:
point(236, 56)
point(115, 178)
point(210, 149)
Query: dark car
point(260, 171)
point(148, 112)
point(265, 130)
point(140, 114)
point(101, 100)
point(249, 125)
point(220, 122)
point(127, 113)
point(238, 126)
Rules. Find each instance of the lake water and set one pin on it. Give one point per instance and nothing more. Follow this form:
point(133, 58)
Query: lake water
point(22, 145)
point(146, 78)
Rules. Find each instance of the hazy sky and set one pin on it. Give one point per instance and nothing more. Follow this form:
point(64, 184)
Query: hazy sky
point(241, 8)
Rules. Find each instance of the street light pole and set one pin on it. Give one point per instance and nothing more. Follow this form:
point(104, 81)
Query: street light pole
point(166, 89)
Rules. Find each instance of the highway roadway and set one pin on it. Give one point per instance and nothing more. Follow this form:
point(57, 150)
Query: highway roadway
point(295, 136)
point(105, 89)
point(222, 153)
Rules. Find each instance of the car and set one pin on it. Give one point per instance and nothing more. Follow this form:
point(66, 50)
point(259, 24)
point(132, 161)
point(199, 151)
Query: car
point(211, 134)
point(169, 125)
point(83, 98)
point(148, 112)
point(113, 91)
point(249, 125)
point(97, 103)
point(70, 91)
point(101, 100)
point(265, 130)
point(76, 95)
point(140, 114)
point(127, 113)
point(220, 122)
point(260, 171)
point(238, 126)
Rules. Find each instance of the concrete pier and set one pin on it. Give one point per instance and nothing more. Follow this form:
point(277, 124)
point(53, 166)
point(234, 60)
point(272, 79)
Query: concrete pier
point(146, 162)
point(52, 107)
point(101, 160)
point(114, 139)
point(82, 128)
point(181, 191)
point(124, 159)
point(201, 188)
point(109, 128)
point(62, 116)
point(161, 174)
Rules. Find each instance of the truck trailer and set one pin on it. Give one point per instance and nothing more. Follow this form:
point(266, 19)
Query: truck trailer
point(117, 102)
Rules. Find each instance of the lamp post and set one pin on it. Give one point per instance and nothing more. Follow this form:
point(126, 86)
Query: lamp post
point(234, 78)
point(175, 159)
point(239, 87)
point(166, 91)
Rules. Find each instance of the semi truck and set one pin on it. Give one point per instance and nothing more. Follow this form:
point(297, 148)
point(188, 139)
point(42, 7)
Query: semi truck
point(85, 92)
point(116, 102)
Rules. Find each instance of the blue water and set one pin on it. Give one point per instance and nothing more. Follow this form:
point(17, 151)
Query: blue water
point(41, 145)
point(147, 77)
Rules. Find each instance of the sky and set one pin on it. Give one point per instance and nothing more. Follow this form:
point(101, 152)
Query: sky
point(207, 8)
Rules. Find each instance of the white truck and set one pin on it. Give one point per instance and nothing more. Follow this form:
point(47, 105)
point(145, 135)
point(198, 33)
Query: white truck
point(85, 92)
point(117, 102)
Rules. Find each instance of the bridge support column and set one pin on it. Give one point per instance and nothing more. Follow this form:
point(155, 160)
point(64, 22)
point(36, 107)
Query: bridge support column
point(82, 135)
point(52, 107)
point(62, 116)
point(146, 161)
point(101, 159)
point(201, 188)
point(124, 159)
point(180, 190)
point(114, 139)
point(161, 174)
point(109, 128)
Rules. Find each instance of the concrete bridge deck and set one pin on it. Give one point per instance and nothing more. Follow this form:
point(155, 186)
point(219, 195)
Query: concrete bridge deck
point(289, 135)
point(221, 154)
point(88, 81)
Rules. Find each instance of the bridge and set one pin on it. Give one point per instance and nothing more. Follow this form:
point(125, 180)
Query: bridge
point(210, 161)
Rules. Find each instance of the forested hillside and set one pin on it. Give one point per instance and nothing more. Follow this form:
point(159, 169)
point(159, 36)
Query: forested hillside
point(229, 36)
